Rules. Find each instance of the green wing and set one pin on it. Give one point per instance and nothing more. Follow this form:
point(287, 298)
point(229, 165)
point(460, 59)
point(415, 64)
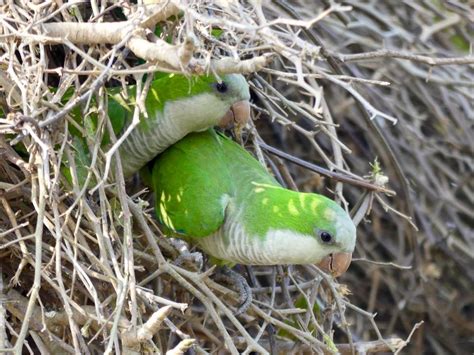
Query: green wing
point(192, 185)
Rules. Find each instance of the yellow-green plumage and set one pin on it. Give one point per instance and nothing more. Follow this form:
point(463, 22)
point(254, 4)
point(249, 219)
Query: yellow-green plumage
point(210, 190)
point(176, 105)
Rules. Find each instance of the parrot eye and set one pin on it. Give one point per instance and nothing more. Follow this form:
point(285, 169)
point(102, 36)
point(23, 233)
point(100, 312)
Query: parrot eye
point(222, 87)
point(326, 237)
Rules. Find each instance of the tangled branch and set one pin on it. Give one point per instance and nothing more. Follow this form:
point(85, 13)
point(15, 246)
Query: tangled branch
point(90, 272)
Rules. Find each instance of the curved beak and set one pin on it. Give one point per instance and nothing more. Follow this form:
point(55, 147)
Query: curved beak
point(336, 264)
point(238, 114)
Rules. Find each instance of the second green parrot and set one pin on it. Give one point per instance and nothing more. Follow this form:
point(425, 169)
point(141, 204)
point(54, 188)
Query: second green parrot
point(212, 192)
point(176, 105)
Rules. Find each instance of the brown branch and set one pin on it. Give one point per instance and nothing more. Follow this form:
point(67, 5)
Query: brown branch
point(362, 347)
point(85, 32)
point(131, 339)
point(387, 53)
point(228, 65)
point(176, 57)
point(181, 348)
point(371, 347)
point(325, 172)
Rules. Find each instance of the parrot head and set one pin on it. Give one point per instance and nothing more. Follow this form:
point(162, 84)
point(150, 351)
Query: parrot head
point(209, 101)
point(298, 228)
point(230, 88)
point(336, 235)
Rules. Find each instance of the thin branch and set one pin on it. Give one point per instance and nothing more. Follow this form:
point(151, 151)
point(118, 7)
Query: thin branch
point(387, 53)
point(325, 172)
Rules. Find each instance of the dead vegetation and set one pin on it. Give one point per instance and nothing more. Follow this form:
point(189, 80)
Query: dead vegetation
point(372, 103)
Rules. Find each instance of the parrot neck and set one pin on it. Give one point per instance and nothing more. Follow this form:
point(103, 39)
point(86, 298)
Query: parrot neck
point(270, 207)
point(164, 128)
point(277, 246)
point(268, 225)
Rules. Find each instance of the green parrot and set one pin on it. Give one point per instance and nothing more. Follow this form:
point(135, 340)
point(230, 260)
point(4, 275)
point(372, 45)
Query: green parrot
point(176, 105)
point(212, 192)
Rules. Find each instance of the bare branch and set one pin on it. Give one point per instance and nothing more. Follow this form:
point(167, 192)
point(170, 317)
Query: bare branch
point(387, 53)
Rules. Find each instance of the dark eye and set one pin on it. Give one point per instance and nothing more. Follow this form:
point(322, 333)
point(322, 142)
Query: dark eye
point(326, 237)
point(221, 87)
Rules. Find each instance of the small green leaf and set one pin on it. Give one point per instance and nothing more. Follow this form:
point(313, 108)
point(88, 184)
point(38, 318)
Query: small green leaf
point(460, 43)
point(158, 30)
point(328, 341)
point(216, 32)
point(376, 168)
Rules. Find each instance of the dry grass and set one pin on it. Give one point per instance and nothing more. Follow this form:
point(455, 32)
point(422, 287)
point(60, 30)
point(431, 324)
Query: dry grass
point(90, 272)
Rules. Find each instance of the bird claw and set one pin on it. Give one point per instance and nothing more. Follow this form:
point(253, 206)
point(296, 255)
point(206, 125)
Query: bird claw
point(194, 258)
point(245, 292)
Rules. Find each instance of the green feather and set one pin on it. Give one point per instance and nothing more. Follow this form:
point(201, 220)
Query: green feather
point(208, 186)
point(167, 89)
point(179, 188)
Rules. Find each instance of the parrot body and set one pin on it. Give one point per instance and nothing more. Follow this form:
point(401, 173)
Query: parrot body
point(176, 105)
point(213, 192)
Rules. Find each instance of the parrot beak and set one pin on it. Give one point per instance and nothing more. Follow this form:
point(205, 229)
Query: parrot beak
point(336, 264)
point(239, 114)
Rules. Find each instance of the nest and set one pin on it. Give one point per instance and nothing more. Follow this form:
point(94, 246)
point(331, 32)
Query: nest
point(88, 270)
